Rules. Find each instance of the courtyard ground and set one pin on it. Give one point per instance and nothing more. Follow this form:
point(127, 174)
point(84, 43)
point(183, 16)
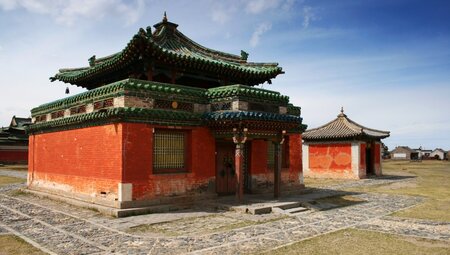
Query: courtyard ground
point(401, 213)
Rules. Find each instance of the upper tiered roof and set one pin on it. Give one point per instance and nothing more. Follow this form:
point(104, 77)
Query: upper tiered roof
point(168, 47)
point(342, 128)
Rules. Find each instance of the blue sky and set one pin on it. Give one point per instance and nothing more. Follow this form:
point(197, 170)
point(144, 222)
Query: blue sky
point(386, 62)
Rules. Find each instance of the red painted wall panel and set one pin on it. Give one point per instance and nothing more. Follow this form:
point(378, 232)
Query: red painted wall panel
point(13, 156)
point(88, 159)
point(330, 157)
point(259, 157)
point(138, 166)
point(295, 156)
point(362, 159)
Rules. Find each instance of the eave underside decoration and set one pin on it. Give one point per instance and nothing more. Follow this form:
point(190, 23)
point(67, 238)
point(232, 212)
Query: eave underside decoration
point(343, 128)
point(133, 100)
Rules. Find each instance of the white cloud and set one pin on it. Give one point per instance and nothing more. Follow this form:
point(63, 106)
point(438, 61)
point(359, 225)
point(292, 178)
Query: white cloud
point(8, 5)
point(288, 5)
point(260, 30)
point(308, 16)
point(68, 12)
point(220, 16)
point(258, 6)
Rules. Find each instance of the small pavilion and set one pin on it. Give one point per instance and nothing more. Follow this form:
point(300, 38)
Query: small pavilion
point(166, 120)
point(342, 148)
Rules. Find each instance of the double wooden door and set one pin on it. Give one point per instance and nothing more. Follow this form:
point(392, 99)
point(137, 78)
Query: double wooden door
point(225, 171)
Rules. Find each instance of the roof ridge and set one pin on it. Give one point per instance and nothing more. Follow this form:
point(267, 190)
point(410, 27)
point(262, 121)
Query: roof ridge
point(370, 129)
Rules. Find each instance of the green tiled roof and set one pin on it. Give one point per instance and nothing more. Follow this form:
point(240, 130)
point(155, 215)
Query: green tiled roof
point(118, 88)
point(246, 92)
point(168, 44)
point(154, 116)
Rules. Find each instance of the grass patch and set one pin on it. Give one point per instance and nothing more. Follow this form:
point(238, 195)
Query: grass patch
point(13, 245)
point(353, 241)
point(432, 181)
point(14, 167)
point(5, 180)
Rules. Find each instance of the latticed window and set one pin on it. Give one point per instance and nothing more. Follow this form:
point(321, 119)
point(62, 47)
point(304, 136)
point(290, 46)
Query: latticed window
point(169, 151)
point(284, 154)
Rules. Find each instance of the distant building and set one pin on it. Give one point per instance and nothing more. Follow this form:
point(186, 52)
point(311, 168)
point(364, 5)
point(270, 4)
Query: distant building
point(404, 153)
point(438, 154)
point(423, 153)
point(14, 141)
point(342, 149)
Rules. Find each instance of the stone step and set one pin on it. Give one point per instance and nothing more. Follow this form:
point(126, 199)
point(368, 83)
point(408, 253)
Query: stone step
point(296, 210)
point(289, 205)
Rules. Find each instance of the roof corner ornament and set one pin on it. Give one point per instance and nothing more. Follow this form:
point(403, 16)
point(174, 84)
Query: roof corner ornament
point(164, 17)
point(244, 55)
point(342, 109)
point(149, 31)
point(92, 61)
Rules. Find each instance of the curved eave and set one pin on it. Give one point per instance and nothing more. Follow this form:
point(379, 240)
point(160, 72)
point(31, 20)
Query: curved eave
point(141, 45)
point(343, 128)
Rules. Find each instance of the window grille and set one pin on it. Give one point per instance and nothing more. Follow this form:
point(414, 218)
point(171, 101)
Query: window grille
point(284, 154)
point(169, 151)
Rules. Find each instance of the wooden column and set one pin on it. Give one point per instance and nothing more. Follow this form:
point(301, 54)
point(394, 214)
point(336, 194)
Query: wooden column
point(238, 160)
point(277, 171)
point(239, 138)
point(277, 165)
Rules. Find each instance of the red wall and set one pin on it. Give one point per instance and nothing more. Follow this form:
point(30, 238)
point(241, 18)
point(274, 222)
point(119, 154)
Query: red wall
point(13, 156)
point(259, 167)
point(362, 159)
point(87, 160)
point(259, 157)
point(138, 148)
point(331, 158)
point(295, 156)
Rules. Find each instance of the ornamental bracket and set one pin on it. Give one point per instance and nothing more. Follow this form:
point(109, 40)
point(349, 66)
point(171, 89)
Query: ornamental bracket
point(240, 135)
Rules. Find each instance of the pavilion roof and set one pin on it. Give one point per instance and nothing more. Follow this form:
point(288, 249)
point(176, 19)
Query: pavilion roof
point(169, 45)
point(342, 128)
point(15, 132)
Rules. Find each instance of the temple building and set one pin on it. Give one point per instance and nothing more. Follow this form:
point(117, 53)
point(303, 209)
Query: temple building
point(14, 142)
point(342, 148)
point(166, 120)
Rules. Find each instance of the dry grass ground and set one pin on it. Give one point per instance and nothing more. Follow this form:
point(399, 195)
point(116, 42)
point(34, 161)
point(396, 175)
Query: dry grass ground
point(432, 180)
point(13, 245)
point(15, 167)
point(352, 242)
point(5, 180)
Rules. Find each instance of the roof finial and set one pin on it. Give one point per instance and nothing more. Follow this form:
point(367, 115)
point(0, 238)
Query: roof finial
point(342, 114)
point(165, 17)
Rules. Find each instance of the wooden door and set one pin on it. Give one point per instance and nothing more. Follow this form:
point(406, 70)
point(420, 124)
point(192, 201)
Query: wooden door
point(225, 172)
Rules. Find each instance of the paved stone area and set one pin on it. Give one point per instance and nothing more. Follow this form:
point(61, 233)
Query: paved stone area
point(12, 173)
point(64, 229)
